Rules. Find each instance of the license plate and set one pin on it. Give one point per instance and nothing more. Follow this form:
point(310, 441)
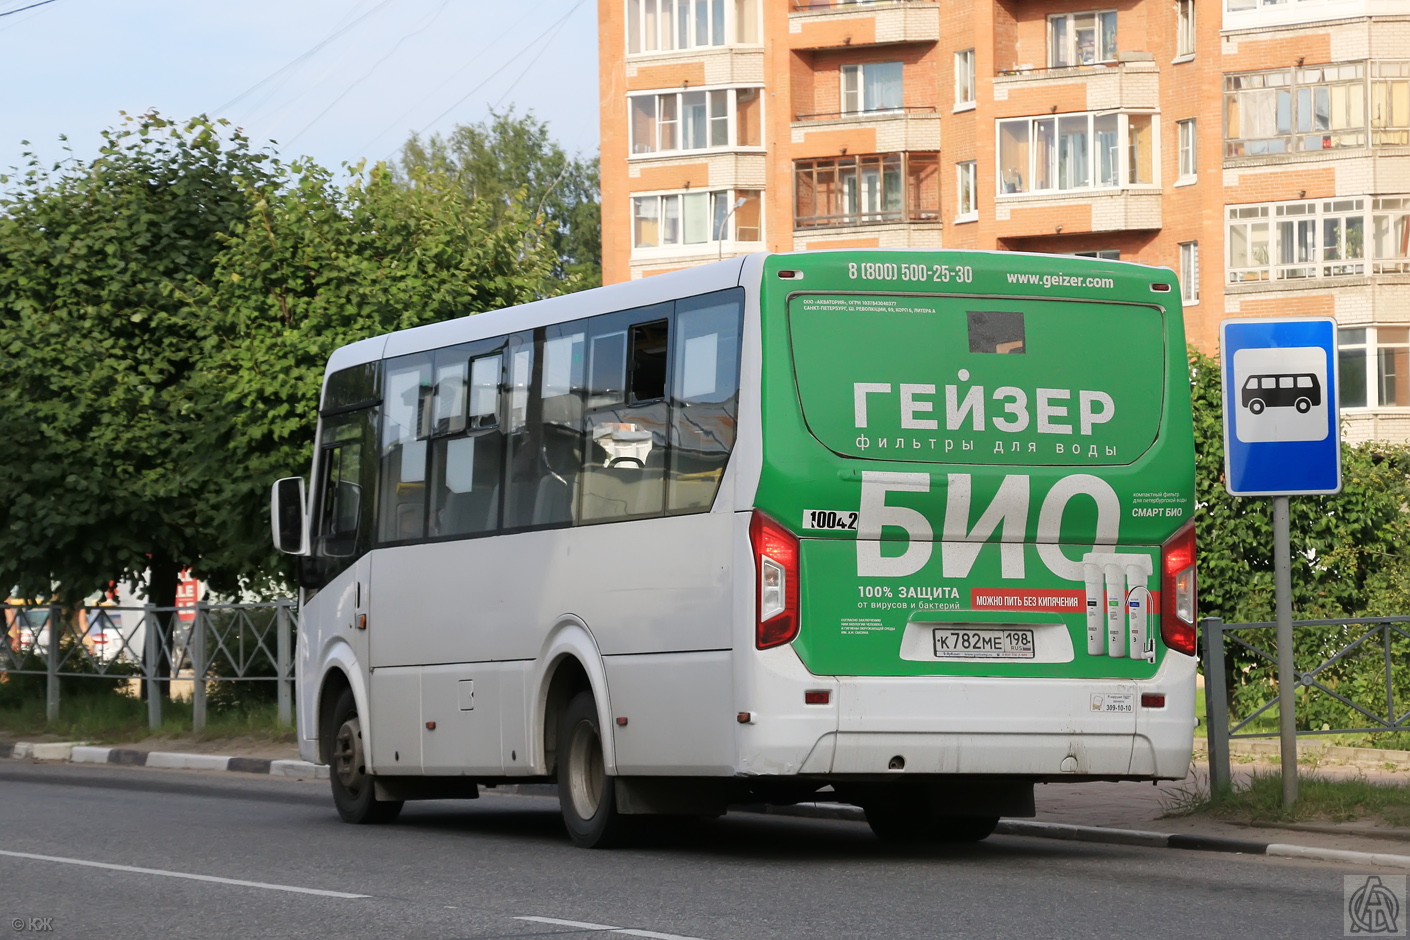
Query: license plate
point(1005, 643)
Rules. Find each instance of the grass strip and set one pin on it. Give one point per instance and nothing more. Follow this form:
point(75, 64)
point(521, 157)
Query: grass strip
point(1259, 798)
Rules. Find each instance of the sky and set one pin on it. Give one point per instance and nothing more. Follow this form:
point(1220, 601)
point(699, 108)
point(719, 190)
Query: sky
point(337, 80)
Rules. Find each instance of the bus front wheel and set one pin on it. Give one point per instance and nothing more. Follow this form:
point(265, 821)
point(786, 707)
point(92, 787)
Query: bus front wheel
point(1256, 406)
point(353, 792)
point(1303, 405)
point(587, 794)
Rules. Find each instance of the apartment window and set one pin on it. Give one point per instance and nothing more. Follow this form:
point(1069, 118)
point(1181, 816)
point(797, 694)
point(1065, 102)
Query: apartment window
point(964, 186)
point(1186, 131)
point(1184, 27)
point(964, 78)
point(1081, 38)
point(1189, 272)
point(1076, 151)
point(1374, 362)
point(1289, 110)
point(1308, 238)
point(1390, 104)
point(1105, 254)
point(866, 189)
point(666, 25)
point(1390, 235)
point(696, 218)
point(695, 120)
point(875, 86)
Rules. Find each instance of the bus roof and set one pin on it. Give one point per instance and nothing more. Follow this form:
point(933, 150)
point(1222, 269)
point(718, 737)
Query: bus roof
point(640, 293)
point(658, 288)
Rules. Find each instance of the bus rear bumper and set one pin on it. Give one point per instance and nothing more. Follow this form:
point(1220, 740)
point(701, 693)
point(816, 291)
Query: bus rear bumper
point(1039, 728)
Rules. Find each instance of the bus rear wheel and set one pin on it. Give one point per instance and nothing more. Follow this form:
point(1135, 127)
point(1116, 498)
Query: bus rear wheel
point(353, 793)
point(910, 822)
point(587, 794)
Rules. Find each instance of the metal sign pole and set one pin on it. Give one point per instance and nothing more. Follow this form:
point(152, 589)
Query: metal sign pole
point(1282, 586)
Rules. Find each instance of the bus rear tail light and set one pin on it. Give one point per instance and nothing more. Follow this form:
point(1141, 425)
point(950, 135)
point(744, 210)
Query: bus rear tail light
point(1177, 591)
point(776, 566)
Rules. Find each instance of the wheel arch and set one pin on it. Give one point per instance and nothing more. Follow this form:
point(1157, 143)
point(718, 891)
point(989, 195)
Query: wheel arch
point(340, 671)
point(568, 663)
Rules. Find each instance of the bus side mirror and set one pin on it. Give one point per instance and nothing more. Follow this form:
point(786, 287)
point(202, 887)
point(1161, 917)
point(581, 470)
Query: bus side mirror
point(287, 519)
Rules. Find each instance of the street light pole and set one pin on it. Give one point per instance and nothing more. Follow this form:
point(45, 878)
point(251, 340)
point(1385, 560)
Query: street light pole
point(720, 231)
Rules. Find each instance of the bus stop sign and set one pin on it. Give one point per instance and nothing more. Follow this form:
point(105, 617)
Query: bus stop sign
point(1282, 433)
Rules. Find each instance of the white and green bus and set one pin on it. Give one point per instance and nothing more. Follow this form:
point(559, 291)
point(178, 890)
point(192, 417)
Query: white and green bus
point(912, 526)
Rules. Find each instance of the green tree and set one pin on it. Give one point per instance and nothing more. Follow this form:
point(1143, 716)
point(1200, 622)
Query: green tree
point(102, 479)
point(166, 311)
point(316, 266)
point(513, 164)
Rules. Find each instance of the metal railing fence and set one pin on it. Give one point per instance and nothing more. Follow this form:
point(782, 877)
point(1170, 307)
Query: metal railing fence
point(206, 645)
point(1347, 679)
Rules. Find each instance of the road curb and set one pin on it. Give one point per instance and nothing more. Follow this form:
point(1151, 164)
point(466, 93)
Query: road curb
point(76, 753)
point(1136, 837)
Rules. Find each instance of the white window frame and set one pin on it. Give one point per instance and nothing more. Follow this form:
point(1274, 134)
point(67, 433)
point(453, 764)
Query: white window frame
point(730, 118)
point(1189, 273)
point(1372, 352)
point(720, 206)
point(1286, 104)
point(1186, 132)
point(1065, 23)
point(1305, 239)
point(966, 182)
point(1184, 29)
point(723, 25)
point(1121, 154)
point(964, 80)
point(858, 74)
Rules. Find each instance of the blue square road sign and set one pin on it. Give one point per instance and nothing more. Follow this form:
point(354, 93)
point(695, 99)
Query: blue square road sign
point(1282, 428)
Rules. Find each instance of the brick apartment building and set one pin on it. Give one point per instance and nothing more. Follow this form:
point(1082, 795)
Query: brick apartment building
point(1261, 148)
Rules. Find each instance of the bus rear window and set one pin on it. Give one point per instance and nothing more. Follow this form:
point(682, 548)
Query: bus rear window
point(977, 380)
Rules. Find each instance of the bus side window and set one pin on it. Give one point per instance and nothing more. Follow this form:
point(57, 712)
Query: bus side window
point(467, 453)
point(406, 425)
point(521, 419)
point(626, 448)
point(704, 397)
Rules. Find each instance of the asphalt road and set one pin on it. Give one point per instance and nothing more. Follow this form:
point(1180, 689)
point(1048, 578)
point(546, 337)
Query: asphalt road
point(502, 867)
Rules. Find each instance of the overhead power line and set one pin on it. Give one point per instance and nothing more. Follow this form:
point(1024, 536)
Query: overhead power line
point(365, 75)
point(30, 7)
point(470, 61)
point(506, 65)
point(300, 59)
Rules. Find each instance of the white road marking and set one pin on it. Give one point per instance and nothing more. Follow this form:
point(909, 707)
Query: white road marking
point(181, 874)
point(626, 931)
point(568, 923)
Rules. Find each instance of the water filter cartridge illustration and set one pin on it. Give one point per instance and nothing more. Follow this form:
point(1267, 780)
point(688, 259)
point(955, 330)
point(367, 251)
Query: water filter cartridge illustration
point(1118, 604)
point(1096, 625)
point(1138, 605)
point(1115, 598)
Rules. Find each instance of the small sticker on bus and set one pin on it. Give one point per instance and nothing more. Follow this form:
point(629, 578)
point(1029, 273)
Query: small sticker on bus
point(830, 519)
point(1121, 703)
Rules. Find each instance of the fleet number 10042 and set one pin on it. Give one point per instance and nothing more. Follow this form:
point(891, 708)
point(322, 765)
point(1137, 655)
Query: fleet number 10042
point(891, 271)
